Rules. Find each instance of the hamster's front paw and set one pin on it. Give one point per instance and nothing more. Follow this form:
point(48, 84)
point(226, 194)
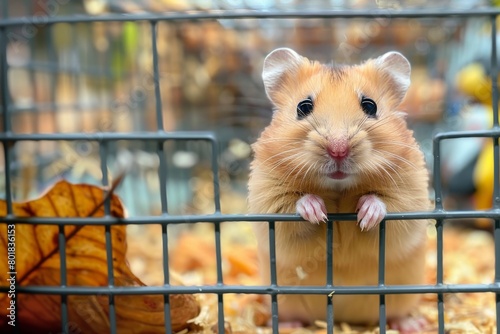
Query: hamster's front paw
point(409, 325)
point(312, 208)
point(371, 210)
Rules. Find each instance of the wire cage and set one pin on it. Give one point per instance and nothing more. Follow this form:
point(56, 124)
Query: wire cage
point(179, 101)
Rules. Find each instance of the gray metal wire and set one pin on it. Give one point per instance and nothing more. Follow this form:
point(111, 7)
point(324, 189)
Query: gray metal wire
point(8, 138)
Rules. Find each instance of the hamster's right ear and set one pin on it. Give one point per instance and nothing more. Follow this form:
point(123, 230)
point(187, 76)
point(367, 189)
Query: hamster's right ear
point(278, 63)
point(399, 68)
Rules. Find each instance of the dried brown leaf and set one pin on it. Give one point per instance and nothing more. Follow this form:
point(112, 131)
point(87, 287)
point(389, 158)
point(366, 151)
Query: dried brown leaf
point(38, 264)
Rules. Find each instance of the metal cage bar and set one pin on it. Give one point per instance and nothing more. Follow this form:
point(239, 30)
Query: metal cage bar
point(439, 274)
point(329, 277)
point(438, 207)
point(273, 275)
point(262, 290)
point(156, 76)
point(496, 168)
point(6, 120)
point(271, 14)
point(7, 147)
point(63, 276)
point(162, 173)
point(220, 282)
point(211, 218)
point(381, 277)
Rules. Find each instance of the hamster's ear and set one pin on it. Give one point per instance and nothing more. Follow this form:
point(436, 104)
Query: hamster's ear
point(399, 68)
point(278, 63)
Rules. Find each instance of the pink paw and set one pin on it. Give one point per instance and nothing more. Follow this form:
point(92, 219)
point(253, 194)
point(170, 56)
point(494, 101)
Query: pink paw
point(409, 325)
point(312, 208)
point(371, 210)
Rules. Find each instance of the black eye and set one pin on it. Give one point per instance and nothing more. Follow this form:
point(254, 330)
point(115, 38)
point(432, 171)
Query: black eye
point(304, 108)
point(369, 107)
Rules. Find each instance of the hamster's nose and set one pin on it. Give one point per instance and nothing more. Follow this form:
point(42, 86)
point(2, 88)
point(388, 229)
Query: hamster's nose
point(338, 149)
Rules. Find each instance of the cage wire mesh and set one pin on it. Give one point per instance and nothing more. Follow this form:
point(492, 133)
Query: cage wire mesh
point(177, 98)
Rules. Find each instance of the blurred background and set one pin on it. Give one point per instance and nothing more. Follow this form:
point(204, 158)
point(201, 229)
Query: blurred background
point(98, 77)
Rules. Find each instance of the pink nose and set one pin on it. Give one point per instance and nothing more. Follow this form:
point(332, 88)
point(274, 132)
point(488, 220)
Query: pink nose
point(338, 150)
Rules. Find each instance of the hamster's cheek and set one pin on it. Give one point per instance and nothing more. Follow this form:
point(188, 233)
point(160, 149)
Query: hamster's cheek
point(361, 148)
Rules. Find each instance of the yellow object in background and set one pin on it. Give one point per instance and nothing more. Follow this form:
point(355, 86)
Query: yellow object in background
point(473, 81)
point(483, 178)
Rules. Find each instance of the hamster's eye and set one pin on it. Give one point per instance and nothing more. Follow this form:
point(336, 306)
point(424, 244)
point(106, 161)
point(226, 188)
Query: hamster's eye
point(304, 108)
point(369, 107)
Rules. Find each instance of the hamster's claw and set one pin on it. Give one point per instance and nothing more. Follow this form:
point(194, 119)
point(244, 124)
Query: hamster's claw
point(371, 210)
point(312, 208)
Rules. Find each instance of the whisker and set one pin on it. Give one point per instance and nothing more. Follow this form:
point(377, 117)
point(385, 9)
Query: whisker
point(300, 159)
point(413, 147)
point(358, 127)
point(272, 140)
point(284, 160)
point(306, 173)
point(297, 174)
point(280, 154)
point(313, 120)
point(378, 168)
point(379, 123)
point(397, 157)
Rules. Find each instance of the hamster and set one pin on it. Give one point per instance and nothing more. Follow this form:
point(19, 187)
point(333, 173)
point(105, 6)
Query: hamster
point(337, 144)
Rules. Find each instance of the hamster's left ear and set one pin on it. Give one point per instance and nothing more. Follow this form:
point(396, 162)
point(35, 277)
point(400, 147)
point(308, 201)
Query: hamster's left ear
point(277, 65)
point(399, 69)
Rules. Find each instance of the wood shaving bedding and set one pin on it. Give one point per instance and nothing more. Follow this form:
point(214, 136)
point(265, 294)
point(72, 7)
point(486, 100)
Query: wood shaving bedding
point(468, 259)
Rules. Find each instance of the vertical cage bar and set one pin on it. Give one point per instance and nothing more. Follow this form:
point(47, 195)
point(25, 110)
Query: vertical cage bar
point(162, 173)
point(7, 146)
point(215, 174)
point(496, 168)
point(220, 296)
point(329, 276)
point(53, 68)
point(218, 252)
point(63, 277)
point(156, 76)
point(27, 11)
point(76, 79)
point(439, 273)
point(381, 276)
point(438, 206)
point(35, 115)
point(166, 279)
point(6, 115)
point(494, 90)
point(103, 152)
point(494, 69)
point(441, 314)
point(52, 63)
point(5, 8)
point(273, 276)
point(436, 174)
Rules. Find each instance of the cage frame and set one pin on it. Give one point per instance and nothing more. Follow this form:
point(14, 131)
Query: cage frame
point(439, 214)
